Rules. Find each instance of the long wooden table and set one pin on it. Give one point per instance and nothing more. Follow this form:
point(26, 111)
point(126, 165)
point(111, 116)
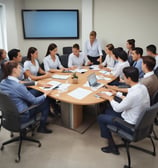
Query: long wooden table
point(72, 108)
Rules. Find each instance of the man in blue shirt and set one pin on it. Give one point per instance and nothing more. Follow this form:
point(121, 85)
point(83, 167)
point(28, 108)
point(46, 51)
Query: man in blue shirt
point(137, 58)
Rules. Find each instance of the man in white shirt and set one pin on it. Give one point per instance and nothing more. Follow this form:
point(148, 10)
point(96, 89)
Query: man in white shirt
point(76, 58)
point(151, 50)
point(93, 49)
point(129, 109)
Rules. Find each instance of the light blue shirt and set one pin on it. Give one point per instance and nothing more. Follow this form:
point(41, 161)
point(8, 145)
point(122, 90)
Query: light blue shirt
point(138, 65)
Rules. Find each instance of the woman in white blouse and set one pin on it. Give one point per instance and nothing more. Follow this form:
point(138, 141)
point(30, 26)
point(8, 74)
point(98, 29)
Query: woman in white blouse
point(51, 60)
point(93, 49)
point(31, 66)
point(76, 58)
point(109, 61)
point(122, 61)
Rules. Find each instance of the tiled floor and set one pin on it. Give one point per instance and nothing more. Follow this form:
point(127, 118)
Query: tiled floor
point(69, 149)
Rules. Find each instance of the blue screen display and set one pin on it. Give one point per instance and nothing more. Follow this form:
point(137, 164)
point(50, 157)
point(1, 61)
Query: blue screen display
point(50, 24)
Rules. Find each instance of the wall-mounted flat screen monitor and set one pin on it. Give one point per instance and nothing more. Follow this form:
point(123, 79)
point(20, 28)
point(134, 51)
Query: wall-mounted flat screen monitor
point(50, 24)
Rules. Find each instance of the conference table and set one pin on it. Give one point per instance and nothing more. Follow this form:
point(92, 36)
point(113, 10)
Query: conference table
point(74, 96)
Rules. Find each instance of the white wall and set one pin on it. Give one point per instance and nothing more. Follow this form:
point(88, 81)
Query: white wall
point(42, 45)
point(12, 34)
point(119, 20)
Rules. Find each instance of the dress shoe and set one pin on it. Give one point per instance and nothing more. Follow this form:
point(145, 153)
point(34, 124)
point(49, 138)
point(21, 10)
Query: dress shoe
point(44, 130)
point(110, 149)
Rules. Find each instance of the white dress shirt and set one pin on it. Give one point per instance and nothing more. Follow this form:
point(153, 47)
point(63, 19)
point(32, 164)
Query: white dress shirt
point(76, 60)
point(13, 78)
point(93, 50)
point(136, 101)
point(109, 61)
point(148, 74)
point(156, 58)
point(118, 69)
point(31, 67)
point(50, 64)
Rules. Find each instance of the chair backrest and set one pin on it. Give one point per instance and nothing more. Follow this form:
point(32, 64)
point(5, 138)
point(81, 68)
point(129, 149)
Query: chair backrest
point(67, 50)
point(156, 71)
point(154, 99)
point(144, 125)
point(64, 60)
point(10, 114)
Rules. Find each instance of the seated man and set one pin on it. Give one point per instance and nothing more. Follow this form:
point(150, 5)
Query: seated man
point(150, 80)
point(129, 109)
point(151, 50)
point(23, 98)
point(137, 58)
point(76, 58)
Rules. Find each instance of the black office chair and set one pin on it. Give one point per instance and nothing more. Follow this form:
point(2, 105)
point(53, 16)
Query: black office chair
point(67, 50)
point(11, 121)
point(104, 55)
point(141, 130)
point(154, 100)
point(156, 71)
point(64, 60)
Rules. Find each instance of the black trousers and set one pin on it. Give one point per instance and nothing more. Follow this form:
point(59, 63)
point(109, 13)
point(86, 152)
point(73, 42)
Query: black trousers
point(94, 60)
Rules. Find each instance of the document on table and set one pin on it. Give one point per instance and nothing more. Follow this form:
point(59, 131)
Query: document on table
point(60, 76)
point(79, 93)
point(52, 85)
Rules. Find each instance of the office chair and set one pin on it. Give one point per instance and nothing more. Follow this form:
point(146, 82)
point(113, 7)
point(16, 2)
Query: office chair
point(154, 100)
point(67, 50)
point(156, 71)
point(141, 130)
point(11, 121)
point(64, 60)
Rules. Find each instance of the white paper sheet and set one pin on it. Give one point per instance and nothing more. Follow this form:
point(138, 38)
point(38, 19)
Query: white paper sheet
point(60, 76)
point(79, 93)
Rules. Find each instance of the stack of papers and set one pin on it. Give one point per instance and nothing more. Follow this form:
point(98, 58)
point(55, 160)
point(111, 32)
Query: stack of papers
point(100, 77)
point(79, 93)
point(60, 76)
point(95, 67)
point(53, 85)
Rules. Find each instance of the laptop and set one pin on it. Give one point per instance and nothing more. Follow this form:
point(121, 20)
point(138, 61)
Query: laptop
point(92, 80)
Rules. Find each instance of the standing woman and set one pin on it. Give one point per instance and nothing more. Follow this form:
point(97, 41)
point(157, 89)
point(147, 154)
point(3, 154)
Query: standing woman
point(51, 60)
point(93, 49)
point(3, 57)
point(31, 66)
point(130, 45)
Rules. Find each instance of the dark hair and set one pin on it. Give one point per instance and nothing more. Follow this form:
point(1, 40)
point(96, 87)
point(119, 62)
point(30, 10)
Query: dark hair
point(1, 52)
point(149, 61)
point(93, 33)
point(131, 42)
point(76, 46)
point(120, 53)
point(51, 47)
point(13, 53)
point(110, 47)
point(151, 48)
point(8, 68)
point(138, 50)
point(31, 50)
point(131, 72)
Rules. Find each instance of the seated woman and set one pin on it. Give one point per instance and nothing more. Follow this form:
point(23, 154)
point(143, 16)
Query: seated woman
point(76, 58)
point(130, 45)
point(31, 66)
point(122, 61)
point(109, 62)
point(22, 97)
point(51, 60)
point(3, 59)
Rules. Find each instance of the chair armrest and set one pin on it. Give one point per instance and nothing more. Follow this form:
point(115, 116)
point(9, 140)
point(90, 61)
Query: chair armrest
point(29, 108)
point(121, 122)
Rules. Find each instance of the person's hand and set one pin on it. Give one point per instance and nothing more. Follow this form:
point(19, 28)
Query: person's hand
point(89, 63)
point(48, 75)
point(115, 88)
point(101, 66)
point(47, 92)
point(107, 69)
point(99, 60)
point(105, 96)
